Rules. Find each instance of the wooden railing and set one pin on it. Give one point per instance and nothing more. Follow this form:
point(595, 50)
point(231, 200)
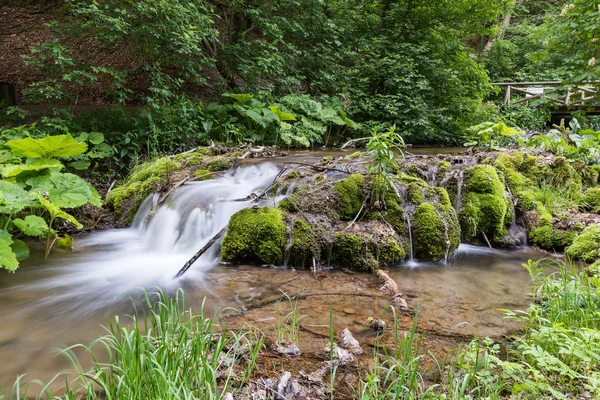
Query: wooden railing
point(554, 92)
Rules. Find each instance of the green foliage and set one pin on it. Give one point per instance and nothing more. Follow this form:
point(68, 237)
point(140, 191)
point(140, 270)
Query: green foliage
point(299, 120)
point(170, 54)
point(34, 192)
point(382, 148)
point(494, 136)
point(573, 143)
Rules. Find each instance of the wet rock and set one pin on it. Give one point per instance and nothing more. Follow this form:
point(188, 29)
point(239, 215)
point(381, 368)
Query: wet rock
point(376, 324)
point(338, 356)
point(287, 351)
point(349, 343)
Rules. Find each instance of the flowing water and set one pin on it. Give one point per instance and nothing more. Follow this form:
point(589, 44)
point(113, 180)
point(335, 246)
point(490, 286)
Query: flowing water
point(53, 303)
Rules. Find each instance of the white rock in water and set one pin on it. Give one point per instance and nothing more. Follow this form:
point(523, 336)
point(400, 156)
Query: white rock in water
point(350, 343)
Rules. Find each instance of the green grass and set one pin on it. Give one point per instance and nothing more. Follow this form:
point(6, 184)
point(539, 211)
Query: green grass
point(169, 353)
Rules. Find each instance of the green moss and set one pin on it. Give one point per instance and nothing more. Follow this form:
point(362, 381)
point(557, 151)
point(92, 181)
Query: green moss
point(203, 175)
point(65, 243)
point(414, 193)
point(485, 207)
point(591, 200)
point(256, 235)
point(307, 242)
point(351, 196)
point(443, 167)
point(430, 242)
point(391, 252)
point(354, 155)
point(348, 251)
point(237, 154)
point(292, 175)
point(586, 246)
point(145, 179)
point(549, 238)
point(219, 164)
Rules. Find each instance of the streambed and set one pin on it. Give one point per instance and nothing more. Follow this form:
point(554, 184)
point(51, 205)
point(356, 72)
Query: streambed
point(53, 303)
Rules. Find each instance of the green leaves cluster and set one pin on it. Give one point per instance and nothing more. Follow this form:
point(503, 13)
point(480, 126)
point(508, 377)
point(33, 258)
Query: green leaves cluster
point(297, 120)
point(35, 192)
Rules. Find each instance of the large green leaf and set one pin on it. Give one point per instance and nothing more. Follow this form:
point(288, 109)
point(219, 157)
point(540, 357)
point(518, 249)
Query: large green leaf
point(38, 164)
point(32, 225)
point(282, 115)
point(50, 146)
point(13, 198)
point(20, 249)
point(71, 191)
point(56, 212)
point(8, 259)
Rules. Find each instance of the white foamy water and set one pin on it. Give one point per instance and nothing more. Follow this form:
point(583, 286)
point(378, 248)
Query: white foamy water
point(111, 265)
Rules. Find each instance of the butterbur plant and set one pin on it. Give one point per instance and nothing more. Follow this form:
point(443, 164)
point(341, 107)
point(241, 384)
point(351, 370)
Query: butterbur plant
point(34, 193)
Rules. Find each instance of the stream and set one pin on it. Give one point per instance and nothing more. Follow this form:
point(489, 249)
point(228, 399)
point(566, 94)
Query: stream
point(49, 304)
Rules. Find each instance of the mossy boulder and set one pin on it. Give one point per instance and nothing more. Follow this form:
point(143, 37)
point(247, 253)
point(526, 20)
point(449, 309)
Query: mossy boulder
point(351, 196)
point(255, 235)
point(435, 232)
point(586, 246)
point(486, 211)
point(308, 242)
point(591, 200)
point(546, 237)
point(144, 180)
point(360, 251)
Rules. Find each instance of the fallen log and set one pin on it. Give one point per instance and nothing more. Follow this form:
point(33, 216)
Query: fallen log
point(216, 237)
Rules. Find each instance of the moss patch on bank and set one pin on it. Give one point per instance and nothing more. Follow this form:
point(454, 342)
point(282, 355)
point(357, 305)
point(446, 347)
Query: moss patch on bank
point(586, 246)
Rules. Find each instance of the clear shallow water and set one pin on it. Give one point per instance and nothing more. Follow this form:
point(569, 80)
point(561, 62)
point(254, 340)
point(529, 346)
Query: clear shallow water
point(53, 303)
point(472, 287)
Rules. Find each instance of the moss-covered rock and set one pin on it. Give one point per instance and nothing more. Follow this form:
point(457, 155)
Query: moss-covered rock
point(255, 235)
point(219, 164)
point(308, 242)
point(348, 251)
point(591, 200)
point(203, 175)
point(144, 180)
point(351, 196)
point(435, 234)
point(586, 246)
point(546, 237)
point(485, 207)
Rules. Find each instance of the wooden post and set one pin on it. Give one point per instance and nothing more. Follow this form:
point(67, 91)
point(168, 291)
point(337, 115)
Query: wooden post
point(507, 96)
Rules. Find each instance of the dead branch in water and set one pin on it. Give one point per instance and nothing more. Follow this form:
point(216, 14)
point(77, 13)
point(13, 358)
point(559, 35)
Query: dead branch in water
point(320, 168)
point(216, 237)
point(352, 141)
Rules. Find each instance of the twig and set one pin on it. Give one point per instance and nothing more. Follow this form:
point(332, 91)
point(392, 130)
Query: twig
point(352, 141)
point(355, 218)
point(322, 169)
point(110, 187)
point(486, 240)
point(185, 152)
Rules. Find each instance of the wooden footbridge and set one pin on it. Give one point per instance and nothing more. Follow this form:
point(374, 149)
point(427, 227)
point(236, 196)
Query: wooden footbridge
point(560, 98)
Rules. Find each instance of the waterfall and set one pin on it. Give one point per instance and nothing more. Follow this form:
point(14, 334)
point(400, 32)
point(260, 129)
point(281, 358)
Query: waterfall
point(459, 183)
point(412, 258)
point(159, 242)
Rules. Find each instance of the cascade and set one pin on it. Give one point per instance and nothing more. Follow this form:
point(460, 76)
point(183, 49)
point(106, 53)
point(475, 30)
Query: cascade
point(459, 183)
